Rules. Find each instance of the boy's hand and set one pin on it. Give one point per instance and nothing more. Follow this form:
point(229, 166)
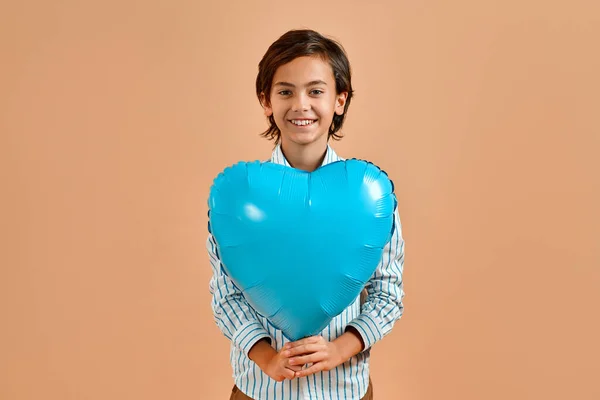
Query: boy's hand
point(322, 354)
point(271, 362)
point(278, 367)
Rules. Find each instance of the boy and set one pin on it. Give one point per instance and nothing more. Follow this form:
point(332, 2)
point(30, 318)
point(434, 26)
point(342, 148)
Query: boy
point(304, 87)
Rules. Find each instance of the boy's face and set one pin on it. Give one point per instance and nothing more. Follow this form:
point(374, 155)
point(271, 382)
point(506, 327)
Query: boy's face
point(304, 100)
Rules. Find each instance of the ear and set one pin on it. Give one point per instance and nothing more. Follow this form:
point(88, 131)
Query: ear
point(340, 103)
point(266, 107)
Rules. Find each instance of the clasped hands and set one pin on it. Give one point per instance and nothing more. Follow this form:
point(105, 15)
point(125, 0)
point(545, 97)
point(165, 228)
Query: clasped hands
point(322, 354)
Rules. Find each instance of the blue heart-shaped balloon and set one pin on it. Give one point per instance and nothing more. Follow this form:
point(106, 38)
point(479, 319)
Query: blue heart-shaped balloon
point(301, 245)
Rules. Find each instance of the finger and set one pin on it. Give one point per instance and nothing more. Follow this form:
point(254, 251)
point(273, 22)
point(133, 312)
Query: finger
point(313, 369)
point(308, 340)
point(303, 349)
point(294, 367)
point(311, 358)
point(288, 373)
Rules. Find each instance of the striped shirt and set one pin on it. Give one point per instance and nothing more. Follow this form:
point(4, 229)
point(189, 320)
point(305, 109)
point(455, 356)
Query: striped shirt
point(373, 319)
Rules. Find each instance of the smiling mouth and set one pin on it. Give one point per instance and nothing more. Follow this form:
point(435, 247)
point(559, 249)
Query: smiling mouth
point(302, 122)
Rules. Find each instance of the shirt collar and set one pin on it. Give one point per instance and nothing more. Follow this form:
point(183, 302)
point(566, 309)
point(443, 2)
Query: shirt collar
point(278, 158)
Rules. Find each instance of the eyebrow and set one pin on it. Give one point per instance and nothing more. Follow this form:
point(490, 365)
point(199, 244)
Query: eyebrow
point(311, 83)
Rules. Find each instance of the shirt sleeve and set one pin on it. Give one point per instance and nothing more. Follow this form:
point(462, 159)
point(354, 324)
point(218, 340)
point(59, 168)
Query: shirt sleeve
point(234, 316)
point(385, 291)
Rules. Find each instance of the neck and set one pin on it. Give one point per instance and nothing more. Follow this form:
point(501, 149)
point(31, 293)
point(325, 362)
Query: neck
point(304, 157)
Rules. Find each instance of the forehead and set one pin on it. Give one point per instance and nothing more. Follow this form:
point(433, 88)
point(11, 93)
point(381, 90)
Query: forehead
point(304, 69)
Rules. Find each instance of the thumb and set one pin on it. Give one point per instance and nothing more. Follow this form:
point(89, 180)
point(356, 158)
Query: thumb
point(288, 373)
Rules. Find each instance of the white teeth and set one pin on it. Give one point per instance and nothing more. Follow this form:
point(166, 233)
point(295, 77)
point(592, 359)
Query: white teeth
point(302, 122)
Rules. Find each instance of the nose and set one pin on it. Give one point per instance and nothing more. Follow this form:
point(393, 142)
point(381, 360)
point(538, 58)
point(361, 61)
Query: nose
point(301, 103)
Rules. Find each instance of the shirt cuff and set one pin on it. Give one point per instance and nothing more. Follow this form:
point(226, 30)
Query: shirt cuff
point(248, 334)
point(369, 329)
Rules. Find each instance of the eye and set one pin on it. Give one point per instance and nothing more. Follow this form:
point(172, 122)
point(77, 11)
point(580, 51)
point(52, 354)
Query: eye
point(284, 92)
point(317, 91)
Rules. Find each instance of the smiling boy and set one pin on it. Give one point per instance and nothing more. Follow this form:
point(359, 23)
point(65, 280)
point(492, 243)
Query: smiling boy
point(304, 86)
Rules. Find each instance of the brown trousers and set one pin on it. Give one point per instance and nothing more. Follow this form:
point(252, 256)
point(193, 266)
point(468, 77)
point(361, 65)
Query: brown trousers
point(237, 394)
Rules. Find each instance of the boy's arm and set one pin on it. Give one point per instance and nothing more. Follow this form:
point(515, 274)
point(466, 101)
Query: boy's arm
point(385, 291)
point(233, 315)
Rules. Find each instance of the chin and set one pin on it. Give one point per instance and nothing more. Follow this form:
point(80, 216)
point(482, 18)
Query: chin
point(303, 139)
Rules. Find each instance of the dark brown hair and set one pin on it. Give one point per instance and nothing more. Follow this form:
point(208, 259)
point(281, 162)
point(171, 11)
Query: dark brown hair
point(299, 43)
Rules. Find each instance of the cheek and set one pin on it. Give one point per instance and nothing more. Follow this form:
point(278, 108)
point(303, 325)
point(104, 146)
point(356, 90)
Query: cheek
point(278, 111)
point(325, 112)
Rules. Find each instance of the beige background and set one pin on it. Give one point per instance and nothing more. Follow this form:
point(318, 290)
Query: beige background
point(116, 115)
